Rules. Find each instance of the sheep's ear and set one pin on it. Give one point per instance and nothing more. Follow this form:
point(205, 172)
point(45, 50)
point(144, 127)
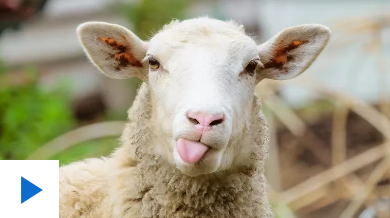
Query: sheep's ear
point(291, 51)
point(115, 50)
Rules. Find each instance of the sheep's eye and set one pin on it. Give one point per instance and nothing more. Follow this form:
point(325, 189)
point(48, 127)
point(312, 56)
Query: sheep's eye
point(153, 63)
point(251, 68)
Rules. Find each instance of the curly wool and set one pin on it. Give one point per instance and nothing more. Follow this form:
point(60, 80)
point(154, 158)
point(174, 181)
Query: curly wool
point(136, 182)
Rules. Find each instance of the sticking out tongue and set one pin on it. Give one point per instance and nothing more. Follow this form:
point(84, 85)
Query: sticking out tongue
point(190, 151)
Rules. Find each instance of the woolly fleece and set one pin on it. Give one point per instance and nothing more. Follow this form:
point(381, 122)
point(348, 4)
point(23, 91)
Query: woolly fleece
point(134, 182)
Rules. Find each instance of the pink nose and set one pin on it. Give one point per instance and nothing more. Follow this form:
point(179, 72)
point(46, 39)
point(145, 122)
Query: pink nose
point(205, 119)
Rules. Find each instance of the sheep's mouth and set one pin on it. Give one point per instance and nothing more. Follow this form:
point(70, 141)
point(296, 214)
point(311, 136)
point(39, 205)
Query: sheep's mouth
point(191, 151)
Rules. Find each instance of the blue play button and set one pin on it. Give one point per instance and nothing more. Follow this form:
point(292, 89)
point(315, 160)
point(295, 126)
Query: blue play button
point(29, 190)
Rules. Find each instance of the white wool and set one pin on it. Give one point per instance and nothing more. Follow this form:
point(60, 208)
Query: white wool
point(200, 65)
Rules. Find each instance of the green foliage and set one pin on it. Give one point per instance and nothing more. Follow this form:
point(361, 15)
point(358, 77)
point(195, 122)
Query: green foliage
point(30, 117)
point(150, 15)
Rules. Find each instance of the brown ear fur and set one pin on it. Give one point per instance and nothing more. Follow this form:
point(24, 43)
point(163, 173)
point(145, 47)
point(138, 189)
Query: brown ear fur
point(116, 51)
point(292, 51)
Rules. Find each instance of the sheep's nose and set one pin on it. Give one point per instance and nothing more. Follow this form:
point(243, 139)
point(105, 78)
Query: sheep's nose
point(205, 119)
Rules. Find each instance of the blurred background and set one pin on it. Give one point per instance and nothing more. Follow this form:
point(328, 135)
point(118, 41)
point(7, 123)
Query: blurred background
point(330, 150)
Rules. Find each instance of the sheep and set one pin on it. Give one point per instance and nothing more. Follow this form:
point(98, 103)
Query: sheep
point(196, 139)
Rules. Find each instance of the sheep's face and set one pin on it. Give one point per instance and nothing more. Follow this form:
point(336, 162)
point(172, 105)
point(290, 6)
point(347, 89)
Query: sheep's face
point(202, 74)
point(203, 85)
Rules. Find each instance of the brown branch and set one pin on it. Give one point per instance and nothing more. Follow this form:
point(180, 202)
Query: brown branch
point(339, 133)
point(285, 114)
point(296, 125)
point(361, 196)
point(335, 173)
point(370, 114)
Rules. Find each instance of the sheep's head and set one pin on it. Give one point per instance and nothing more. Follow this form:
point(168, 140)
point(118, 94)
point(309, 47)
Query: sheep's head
point(202, 74)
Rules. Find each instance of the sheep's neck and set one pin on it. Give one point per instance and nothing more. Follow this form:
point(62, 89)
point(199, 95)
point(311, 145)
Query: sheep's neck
point(169, 193)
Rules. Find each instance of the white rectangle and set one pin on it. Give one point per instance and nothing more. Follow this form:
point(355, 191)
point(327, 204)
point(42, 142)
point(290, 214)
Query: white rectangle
point(42, 173)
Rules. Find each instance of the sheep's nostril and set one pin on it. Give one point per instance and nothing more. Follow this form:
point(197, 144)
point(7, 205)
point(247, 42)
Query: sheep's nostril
point(194, 121)
point(216, 122)
point(205, 119)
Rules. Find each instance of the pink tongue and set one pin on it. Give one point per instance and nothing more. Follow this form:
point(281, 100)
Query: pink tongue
point(189, 151)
